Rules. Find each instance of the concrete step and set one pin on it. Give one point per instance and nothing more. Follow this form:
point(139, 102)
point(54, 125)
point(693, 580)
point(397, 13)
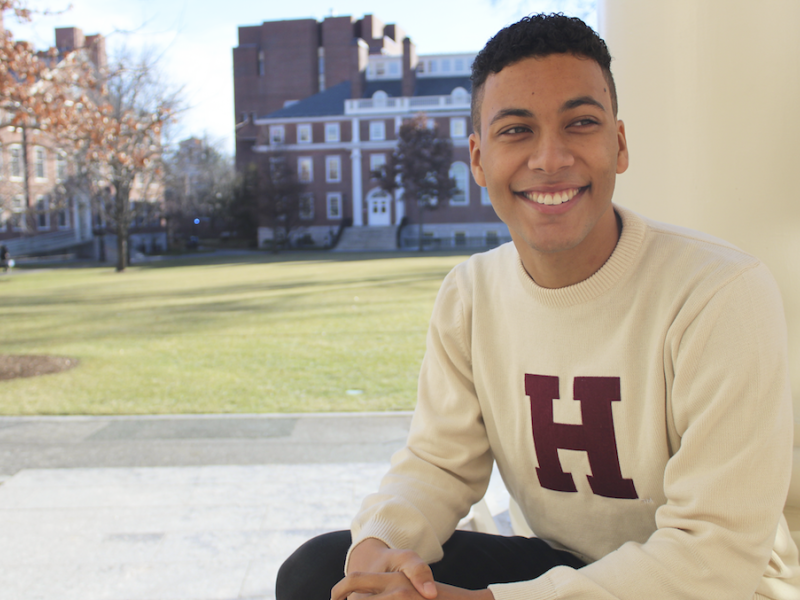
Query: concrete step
point(368, 239)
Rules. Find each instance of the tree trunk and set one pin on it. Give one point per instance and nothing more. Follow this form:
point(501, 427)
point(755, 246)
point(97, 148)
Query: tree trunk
point(122, 248)
point(123, 221)
point(29, 223)
point(421, 221)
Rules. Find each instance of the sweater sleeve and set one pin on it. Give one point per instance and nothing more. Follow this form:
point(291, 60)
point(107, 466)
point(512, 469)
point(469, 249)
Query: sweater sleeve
point(726, 483)
point(446, 464)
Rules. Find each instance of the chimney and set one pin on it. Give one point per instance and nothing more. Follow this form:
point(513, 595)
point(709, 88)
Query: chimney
point(409, 67)
point(359, 66)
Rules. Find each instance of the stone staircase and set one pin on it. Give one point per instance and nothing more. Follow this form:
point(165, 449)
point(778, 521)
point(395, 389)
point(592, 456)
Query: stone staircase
point(42, 243)
point(368, 239)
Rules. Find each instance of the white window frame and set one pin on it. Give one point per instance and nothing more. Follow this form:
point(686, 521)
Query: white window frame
point(61, 166)
point(306, 201)
point(305, 160)
point(65, 212)
point(42, 210)
point(458, 165)
point(304, 131)
point(376, 161)
point(19, 162)
point(18, 214)
point(330, 199)
point(330, 161)
point(458, 127)
point(377, 131)
point(277, 134)
point(332, 132)
point(40, 163)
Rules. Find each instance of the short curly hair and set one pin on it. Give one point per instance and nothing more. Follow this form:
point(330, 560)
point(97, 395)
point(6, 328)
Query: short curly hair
point(538, 36)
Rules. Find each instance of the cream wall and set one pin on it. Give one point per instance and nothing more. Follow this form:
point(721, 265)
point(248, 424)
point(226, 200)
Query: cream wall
point(709, 92)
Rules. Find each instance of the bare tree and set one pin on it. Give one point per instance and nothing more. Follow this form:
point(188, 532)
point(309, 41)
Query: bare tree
point(46, 93)
point(420, 165)
point(122, 150)
point(198, 182)
point(271, 196)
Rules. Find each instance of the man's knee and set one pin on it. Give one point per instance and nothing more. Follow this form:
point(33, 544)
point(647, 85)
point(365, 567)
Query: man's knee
point(314, 568)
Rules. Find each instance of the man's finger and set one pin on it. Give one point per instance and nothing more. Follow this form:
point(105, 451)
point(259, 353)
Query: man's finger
point(418, 572)
point(372, 584)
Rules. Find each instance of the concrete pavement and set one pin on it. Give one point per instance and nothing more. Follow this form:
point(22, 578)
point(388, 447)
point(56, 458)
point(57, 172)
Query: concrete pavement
point(201, 507)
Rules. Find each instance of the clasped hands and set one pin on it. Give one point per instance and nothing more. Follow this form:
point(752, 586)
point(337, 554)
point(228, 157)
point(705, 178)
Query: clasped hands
point(377, 571)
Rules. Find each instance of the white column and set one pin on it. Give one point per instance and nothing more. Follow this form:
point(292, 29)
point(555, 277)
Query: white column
point(709, 92)
point(76, 218)
point(355, 162)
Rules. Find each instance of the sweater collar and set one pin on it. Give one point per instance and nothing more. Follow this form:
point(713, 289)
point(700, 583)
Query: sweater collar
point(618, 264)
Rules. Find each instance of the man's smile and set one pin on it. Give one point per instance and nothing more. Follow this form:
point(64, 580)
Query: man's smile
point(554, 197)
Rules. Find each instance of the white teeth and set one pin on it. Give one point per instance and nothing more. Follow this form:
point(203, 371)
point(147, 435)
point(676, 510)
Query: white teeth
point(552, 199)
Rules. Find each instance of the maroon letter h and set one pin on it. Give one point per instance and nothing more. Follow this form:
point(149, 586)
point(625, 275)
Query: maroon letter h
point(595, 435)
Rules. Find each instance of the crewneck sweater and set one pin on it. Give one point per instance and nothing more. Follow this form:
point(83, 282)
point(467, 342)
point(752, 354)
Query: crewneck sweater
point(641, 419)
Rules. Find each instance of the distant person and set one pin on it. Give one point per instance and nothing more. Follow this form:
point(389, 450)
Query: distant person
point(5, 258)
point(629, 379)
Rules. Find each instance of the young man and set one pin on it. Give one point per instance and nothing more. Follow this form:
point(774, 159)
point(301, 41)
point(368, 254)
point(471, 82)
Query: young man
point(628, 377)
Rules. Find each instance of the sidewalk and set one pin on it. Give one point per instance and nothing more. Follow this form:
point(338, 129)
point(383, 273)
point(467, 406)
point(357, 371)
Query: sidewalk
point(195, 507)
point(186, 507)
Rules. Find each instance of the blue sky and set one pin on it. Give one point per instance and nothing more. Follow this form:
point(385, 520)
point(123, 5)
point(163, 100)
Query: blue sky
point(195, 38)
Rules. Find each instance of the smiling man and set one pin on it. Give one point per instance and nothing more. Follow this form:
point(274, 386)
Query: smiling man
point(629, 378)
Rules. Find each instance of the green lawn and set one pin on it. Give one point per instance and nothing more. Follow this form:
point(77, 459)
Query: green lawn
point(255, 334)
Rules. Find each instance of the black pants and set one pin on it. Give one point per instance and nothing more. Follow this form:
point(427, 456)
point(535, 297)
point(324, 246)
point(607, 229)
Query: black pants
point(471, 560)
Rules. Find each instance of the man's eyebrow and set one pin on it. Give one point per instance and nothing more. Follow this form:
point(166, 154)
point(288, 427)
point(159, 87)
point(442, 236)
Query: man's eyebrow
point(580, 101)
point(511, 112)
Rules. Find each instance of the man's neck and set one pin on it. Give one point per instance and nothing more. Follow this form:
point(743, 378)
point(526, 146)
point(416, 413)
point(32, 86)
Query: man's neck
point(562, 269)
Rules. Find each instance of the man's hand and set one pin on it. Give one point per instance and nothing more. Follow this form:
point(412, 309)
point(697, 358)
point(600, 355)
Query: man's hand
point(388, 586)
point(372, 556)
point(377, 570)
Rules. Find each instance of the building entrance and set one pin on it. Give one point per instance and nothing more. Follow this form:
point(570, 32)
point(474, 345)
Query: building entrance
point(379, 207)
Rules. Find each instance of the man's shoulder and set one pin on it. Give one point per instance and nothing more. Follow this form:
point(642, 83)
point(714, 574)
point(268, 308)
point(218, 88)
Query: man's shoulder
point(689, 249)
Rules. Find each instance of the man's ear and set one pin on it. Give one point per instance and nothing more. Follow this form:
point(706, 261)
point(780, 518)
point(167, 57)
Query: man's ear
point(622, 152)
point(475, 159)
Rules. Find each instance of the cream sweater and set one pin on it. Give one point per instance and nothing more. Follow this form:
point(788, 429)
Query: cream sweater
point(642, 420)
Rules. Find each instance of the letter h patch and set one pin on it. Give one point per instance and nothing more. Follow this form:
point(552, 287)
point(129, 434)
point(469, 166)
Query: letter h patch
point(595, 435)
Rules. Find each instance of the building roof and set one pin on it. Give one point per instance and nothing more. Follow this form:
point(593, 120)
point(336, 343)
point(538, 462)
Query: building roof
point(329, 102)
point(392, 87)
point(441, 86)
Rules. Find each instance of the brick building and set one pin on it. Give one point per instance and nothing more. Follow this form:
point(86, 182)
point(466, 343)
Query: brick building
point(331, 96)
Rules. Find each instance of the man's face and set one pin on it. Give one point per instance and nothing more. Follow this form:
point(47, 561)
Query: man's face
point(548, 150)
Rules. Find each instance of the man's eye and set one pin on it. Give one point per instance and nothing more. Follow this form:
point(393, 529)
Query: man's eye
point(585, 122)
point(516, 130)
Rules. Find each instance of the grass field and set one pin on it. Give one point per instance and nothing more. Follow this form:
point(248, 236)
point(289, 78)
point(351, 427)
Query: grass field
point(249, 334)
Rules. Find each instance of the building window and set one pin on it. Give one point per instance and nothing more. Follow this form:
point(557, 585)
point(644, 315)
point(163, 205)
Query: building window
point(333, 168)
point(304, 134)
point(459, 65)
point(276, 134)
point(485, 197)
point(331, 132)
point(305, 169)
point(394, 68)
point(42, 213)
point(430, 124)
point(321, 68)
point(445, 65)
point(307, 206)
point(460, 172)
point(492, 239)
point(334, 201)
point(39, 163)
point(16, 161)
point(376, 161)
point(18, 214)
point(61, 167)
point(380, 69)
point(458, 127)
point(63, 218)
point(460, 238)
point(260, 63)
point(377, 130)
point(432, 66)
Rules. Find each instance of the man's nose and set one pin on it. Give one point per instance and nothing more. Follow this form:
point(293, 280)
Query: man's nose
point(550, 153)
